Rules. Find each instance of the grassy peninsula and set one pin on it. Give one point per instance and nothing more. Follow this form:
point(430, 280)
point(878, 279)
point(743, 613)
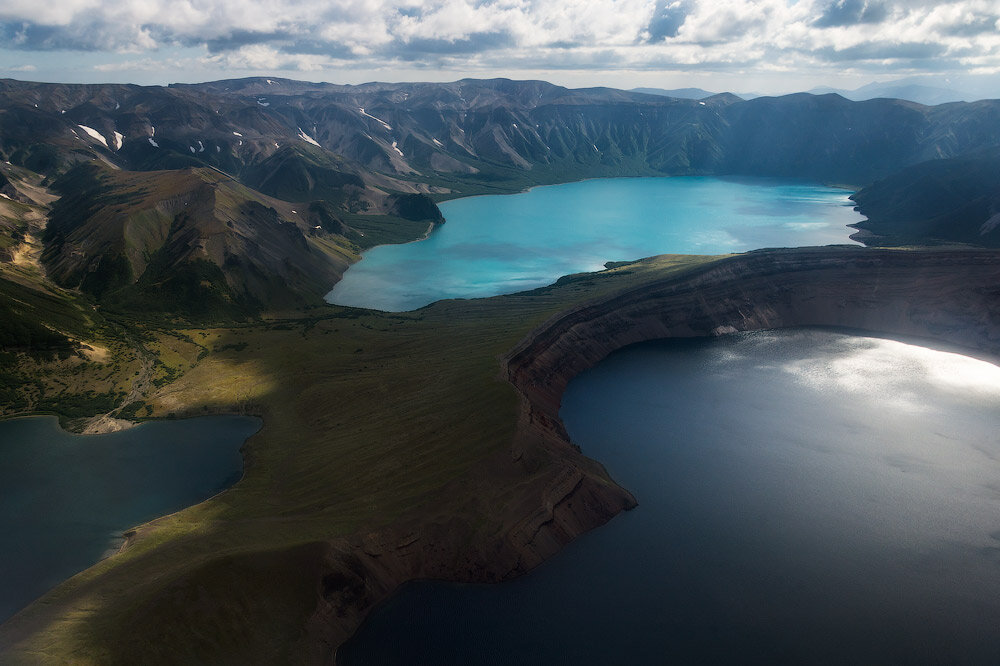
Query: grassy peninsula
point(371, 421)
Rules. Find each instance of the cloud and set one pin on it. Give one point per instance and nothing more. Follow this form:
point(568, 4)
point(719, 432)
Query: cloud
point(240, 38)
point(668, 17)
point(418, 48)
point(852, 12)
point(471, 35)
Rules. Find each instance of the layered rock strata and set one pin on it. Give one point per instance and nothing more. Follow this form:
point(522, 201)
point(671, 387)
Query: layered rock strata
point(951, 297)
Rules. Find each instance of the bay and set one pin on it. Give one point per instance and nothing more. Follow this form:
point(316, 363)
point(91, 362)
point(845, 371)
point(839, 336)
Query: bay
point(66, 499)
point(805, 496)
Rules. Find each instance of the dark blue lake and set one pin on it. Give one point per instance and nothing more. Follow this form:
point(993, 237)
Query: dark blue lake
point(805, 496)
point(66, 499)
point(501, 244)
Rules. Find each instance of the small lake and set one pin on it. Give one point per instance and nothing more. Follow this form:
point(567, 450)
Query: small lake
point(805, 496)
point(506, 243)
point(65, 499)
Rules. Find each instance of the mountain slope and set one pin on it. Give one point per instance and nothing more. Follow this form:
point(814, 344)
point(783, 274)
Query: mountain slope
point(365, 164)
point(683, 93)
point(450, 138)
point(190, 240)
point(953, 200)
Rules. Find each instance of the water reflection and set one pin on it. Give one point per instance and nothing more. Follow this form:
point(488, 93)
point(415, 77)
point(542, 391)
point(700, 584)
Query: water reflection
point(499, 244)
point(805, 497)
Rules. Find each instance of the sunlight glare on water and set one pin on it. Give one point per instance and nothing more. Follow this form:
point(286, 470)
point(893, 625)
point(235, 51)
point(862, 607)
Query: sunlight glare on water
point(805, 496)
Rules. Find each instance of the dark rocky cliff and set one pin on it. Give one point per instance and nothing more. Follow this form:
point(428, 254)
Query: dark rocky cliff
point(951, 297)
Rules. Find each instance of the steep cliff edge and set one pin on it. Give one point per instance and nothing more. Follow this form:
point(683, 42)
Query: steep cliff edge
point(952, 297)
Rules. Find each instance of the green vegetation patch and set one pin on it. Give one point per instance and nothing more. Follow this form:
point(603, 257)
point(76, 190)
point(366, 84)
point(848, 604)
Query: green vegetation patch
point(369, 418)
point(38, 322)
point(372, 230)
point(79, 405)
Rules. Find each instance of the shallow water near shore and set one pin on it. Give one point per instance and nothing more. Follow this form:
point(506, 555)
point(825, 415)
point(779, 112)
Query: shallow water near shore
point(65, 499)
point(501, 244)
point(805, 496)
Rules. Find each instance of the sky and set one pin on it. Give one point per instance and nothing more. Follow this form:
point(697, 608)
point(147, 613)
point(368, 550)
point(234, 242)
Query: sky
point(763, 46)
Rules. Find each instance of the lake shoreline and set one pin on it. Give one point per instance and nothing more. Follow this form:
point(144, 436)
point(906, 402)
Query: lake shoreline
point(120, 457)
point(500, 244)
point(692, 426)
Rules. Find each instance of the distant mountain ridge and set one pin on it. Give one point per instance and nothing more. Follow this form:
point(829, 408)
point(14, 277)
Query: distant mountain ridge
point(682, 93)
point(913, 92)
point(449, 138)
point(364, 164)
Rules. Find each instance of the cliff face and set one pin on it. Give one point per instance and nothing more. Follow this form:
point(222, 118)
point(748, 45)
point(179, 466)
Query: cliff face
point(948, 296)
point(952, 297)
point(571, 495)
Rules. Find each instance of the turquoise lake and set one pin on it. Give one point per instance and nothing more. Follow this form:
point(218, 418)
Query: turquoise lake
point(66, 499)
point(501, 244)
point(805, 497)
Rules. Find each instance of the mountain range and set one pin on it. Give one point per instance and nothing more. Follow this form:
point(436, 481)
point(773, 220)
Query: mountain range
point(908, 90)
point(254, 192)
point(681, 93)
point(904, 89)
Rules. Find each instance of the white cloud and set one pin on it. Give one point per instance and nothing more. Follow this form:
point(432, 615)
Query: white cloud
point(877, 36)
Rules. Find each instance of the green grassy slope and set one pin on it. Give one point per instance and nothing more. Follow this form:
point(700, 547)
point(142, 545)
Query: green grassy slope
point(942, 201)
point(370, 420)
point(191, 241)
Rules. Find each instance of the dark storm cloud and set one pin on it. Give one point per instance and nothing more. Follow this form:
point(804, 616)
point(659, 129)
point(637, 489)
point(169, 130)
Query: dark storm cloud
point(240, 38)
point(30, 37)
point(980, 25)
point(667, 19)
point(414, 49)
point(315, 47)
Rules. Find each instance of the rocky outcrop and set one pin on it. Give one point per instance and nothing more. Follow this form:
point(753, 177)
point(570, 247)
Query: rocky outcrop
point(556, 501)
point(951, 296)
